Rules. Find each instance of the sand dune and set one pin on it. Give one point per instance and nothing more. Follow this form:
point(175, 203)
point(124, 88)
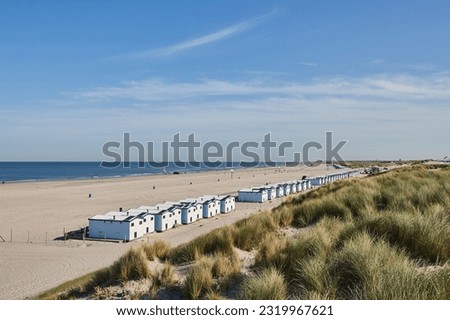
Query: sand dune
point(44, 209)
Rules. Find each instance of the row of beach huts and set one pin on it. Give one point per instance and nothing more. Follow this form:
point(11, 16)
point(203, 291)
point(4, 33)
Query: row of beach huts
point(278, 190)
point(135, 223)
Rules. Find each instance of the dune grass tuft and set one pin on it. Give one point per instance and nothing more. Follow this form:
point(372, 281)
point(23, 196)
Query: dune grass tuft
point(271, 251)
point(248, 232)
point(226, 265)
point(199, 279)
point(158, 249)
point(163, 277)
point(217, 241)
point(131, 266)
point(267, 284)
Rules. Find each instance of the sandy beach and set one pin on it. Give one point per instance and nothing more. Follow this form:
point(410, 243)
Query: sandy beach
point(38, 212)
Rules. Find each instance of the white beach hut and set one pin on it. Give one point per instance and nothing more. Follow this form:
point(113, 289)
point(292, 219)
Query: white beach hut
point(252, 195)
point(188, 213)
point(166, 216)
point(316, 181)
point(270, 190)
point(191, 211)
point(118, 225)
point(293, 186)
point(279, 189)
point(304, 184)
point(211, 206)
point(287, 188)
point(227, 203)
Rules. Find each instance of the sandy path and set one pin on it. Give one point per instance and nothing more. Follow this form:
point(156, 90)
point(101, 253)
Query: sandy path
point(47, 207)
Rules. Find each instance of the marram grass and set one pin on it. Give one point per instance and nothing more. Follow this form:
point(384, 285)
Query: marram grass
point(267, 284)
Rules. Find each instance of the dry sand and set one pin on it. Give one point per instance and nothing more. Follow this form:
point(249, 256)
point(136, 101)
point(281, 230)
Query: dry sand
point(37, 213)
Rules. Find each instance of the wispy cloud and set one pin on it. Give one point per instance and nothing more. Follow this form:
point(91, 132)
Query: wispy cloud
point(381, 87)
point(199, 41)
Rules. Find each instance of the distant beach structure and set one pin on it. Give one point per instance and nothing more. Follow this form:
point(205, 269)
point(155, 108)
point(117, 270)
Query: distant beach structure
point(252, 195)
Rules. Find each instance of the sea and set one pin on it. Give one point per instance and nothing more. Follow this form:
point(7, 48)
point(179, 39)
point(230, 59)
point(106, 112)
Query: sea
point(41, 171)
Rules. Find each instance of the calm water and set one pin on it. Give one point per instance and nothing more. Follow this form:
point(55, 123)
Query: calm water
point(26, 171)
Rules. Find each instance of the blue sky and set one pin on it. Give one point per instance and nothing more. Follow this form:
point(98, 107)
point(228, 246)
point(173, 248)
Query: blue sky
point(75, 74)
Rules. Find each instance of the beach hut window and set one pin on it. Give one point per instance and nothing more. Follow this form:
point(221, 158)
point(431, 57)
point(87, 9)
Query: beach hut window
point(140, 222)
point(145, 220)
point(132, 224)
point(151, 219)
